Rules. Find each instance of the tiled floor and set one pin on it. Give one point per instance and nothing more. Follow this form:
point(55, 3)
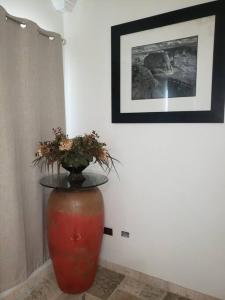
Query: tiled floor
point(108, 285)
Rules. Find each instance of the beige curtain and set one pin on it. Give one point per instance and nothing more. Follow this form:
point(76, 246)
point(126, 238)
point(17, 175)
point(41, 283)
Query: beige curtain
point(31, 104)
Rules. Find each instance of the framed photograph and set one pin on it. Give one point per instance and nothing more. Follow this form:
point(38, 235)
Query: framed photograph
point(170, 68)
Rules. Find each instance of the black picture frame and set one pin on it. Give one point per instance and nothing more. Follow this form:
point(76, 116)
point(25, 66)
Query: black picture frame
point(216, 114)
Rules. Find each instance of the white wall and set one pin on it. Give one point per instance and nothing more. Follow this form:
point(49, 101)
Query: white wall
point(171, 194)
point(40, 11)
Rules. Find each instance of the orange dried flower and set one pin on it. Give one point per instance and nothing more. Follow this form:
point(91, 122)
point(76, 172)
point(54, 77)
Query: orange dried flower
point(42, 150)
point(66, 145)
point(103, 155)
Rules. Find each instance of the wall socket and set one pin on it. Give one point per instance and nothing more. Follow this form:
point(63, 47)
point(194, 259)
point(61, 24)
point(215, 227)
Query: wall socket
point(108, 231)
point(125, 234)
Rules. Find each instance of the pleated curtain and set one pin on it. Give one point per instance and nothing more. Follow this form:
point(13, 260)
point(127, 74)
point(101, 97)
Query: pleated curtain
point(31, 104)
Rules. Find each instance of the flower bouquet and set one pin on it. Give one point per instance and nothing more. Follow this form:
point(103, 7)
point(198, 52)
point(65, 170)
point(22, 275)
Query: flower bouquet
point(73, 154)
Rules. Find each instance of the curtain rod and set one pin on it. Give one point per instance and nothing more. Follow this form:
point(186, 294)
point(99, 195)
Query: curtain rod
point(20, 22)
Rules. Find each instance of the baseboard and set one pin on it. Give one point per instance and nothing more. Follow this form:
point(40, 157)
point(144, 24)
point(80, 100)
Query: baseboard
point(156, 282)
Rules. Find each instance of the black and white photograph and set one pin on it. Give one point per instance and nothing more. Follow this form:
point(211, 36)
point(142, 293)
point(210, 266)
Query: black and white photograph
point(165, 70)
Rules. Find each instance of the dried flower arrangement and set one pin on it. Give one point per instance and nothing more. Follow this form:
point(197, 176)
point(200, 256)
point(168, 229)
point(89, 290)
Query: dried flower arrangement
point(77, 152)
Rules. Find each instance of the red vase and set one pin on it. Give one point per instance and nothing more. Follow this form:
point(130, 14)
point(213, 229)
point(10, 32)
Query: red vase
point(75, 229)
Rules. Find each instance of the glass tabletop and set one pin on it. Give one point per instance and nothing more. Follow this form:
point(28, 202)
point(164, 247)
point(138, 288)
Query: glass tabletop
point(62, 181)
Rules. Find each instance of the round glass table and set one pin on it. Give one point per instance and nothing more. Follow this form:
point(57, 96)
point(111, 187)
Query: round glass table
point(62, 181)
point(75, 229)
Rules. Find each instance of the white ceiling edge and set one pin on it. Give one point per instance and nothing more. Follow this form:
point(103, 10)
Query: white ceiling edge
point(64, 5)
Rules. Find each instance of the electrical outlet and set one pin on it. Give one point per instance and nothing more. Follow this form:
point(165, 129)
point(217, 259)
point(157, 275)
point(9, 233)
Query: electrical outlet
point(108, 231)
point(125, 234)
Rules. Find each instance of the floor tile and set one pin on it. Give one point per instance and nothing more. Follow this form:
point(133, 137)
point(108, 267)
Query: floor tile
point(171, 296)
point(90, 297)
point(76, 297)
point(108, 285)
point(122, 295)
point(132, 286)
point(69, 297)
point(152, 293)
point(47, 289)
point(105, 283)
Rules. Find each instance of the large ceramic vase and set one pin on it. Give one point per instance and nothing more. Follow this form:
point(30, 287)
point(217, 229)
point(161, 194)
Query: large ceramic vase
point(75, 229)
